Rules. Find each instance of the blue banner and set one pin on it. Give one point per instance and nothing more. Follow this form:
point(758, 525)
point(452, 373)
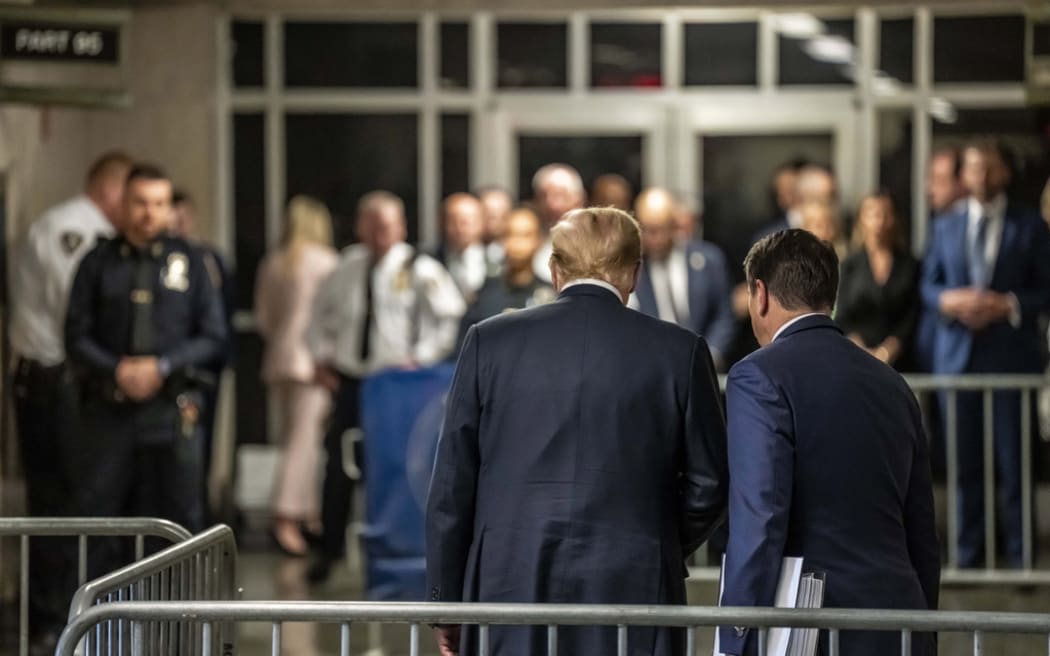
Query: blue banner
point(401, 415)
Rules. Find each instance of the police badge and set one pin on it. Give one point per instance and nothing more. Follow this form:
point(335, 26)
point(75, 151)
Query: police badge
point(175, 275)
point(71, 241)
point(697, 261)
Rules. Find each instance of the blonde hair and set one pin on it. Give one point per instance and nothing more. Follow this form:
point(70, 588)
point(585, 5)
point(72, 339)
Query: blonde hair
point(307, 221)
point(597, 242)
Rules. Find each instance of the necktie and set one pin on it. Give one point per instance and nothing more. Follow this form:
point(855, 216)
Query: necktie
point(366, 323)
point(978, 259)
point(142, 306)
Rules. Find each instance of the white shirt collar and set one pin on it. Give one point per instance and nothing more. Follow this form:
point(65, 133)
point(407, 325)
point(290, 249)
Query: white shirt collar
point(593, 281)
point(994, 209)
point(794, 321)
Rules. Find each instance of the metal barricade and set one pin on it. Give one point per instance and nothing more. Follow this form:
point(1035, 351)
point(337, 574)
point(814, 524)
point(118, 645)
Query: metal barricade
point(82, 528)
point(202, 568)
point(552, 616)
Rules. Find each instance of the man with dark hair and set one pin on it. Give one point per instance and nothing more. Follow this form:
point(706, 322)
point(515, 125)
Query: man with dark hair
point(944, 186)
point(144, 323)
point(611, 190)
point(837, 472)
point(582, 457)
point(496, 203)
point(462, 251)
point(987, 277)
point(44, 395)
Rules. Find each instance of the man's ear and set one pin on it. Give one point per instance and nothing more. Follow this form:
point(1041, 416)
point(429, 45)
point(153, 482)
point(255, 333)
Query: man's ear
point(555, 278)
point(761, 294)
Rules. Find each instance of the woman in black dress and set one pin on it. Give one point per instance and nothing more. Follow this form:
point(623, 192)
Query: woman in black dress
point(878, 301)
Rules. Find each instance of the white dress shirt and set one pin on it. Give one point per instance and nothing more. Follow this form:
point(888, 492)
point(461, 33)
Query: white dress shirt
point(595, 282)
point(44, 267)
point(541, 261)
point(995, 212)
point(792, 322)
point(469, 268)
point(416, 308)
point(670, 280)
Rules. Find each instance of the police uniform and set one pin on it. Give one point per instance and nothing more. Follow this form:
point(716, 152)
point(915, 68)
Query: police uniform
point(498, 296)
point(370, 316)
point(44, 392)
point(144, 458)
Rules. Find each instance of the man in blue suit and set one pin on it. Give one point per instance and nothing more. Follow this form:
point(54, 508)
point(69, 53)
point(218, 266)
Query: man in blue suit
point(987, 276)
point(827, 457)
point(684, 283)
point(582, 457)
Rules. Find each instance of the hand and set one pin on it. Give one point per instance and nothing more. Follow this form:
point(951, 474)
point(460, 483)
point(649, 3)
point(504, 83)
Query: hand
point(740, 301)
point(327, 378)
point(447, 639)
point(139, 377)
point(957, 303)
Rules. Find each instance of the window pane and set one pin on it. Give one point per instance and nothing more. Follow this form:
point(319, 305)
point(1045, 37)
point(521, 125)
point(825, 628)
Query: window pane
point(590, 155)
point(721, 54)
point(1041, 38)
point(1025, 133)
point(455, 153)
point(532, 55)
point(806, 61)
point(897, 43)
point(340, 157)
point(455, 55)
point(625, 55)
point(249, 221)
point(978, 49)
point(895, 162)
point(350, 55)
point(249, 55)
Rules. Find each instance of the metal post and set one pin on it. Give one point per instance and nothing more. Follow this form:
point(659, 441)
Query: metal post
point(989, 479)
point(762, 641)
point(1026, 478)
point(413, 640)
point(140, 546)
point(552, 640)
point(483, 640)
point(690, 641)
point(344, 639)
point(978, 642)
point(275, 639)
point(905, 642)
point(621, 640)
point(833, 642)
point(951, 424)
point(82, 559)
point(206, 639)
point(23, 597)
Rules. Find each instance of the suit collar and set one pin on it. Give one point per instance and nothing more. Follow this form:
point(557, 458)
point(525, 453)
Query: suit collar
point(806, 322)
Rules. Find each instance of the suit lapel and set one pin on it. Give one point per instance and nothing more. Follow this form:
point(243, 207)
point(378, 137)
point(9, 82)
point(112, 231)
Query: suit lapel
point(644, 292)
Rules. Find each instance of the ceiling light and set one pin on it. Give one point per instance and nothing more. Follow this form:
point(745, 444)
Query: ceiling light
point(799, 26)
point(830, 49)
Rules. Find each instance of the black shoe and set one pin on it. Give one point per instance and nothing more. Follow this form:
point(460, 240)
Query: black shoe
point(319, 570)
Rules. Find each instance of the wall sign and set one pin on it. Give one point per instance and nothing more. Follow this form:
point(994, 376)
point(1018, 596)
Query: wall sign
point(39, 41)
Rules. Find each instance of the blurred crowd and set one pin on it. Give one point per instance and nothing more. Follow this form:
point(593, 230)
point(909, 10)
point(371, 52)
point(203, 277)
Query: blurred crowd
point(122, 323)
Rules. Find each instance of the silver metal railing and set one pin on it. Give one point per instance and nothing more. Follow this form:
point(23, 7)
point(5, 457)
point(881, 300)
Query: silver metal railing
point(202, 568)
point(1027, 386)
point(82, 528)
point(552, 616)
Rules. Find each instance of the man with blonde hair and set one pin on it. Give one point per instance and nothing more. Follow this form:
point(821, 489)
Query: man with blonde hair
point(604, 453)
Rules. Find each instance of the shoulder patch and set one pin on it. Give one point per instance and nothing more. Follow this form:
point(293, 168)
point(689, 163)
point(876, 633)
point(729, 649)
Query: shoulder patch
point(70, 241)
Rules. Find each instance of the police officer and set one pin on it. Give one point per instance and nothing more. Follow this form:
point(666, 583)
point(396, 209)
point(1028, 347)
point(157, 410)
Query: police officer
point(144, 321)
point(44, 392)
point(385, 305)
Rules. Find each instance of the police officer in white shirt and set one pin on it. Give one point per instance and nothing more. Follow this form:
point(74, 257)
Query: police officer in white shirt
point(463, 251)
point(44, 393)
point(386, 305)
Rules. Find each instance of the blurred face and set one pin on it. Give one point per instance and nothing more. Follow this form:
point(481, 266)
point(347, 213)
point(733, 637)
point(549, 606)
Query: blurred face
point(556, 197)
point(984, 174)
point(382, 227)
point(521, 240)
point(818, 219)
point(685, 223)
point(610, 192)
point(495, 205)
point(147, 210)
point(464, 223)
point(877, 222)
point(658, 233)
point(184, 220)
point(814, 185)
point(108, 194)
point(784, 187)
point(942, 186)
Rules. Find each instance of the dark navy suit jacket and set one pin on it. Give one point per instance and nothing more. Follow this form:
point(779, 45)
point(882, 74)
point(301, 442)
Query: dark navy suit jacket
point(582, 459)
point(828, 461)
point(710, 308)
point(1022, 268)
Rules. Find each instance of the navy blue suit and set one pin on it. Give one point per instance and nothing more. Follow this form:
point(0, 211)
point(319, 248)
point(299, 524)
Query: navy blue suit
point(828, 461)
point(1022, 268)
point(582, 459)
point(710, 308)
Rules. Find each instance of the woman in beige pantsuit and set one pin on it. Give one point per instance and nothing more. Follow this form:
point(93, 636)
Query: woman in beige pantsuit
point(287, 281)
